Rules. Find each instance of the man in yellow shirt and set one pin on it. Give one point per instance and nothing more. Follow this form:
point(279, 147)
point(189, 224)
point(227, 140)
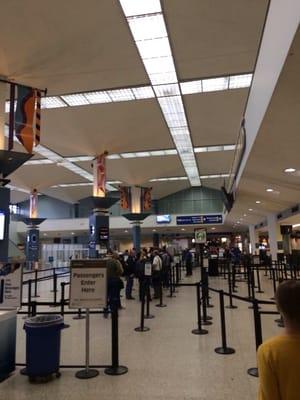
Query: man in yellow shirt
point(279, 357)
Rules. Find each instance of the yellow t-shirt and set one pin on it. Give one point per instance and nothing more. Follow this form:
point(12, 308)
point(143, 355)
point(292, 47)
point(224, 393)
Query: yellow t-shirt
point(279, 368)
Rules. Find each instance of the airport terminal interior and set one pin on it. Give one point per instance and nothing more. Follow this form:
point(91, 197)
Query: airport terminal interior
point(149, 195)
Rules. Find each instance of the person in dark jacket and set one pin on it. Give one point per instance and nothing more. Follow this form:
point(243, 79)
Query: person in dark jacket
point(188, 262)
point(129, 271)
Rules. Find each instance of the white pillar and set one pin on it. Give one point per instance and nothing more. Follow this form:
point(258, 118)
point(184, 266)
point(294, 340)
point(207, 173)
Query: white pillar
point(252, 236)
point(3, 88)
point(272, 230)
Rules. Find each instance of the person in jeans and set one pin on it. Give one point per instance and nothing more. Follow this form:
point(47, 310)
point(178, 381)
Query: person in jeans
point(114, 281)
point(279, 357)
point(156, 274)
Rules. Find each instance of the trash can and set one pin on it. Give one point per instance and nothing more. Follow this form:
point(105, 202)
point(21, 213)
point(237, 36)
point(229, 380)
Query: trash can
point(43, 335)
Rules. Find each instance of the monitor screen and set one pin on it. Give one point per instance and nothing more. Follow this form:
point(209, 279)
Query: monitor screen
point(2, 224)
point(163, 219)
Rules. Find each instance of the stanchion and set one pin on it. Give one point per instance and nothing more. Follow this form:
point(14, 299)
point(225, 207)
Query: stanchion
point(87, 373)
point(161, 304)
point(54, 289)
point(62, 298)
point(199, 330)
point(230, 291)
point(205, 294)
point(223, 349)
point(258, 280)
point(177, 273)
point(274, 283)
point(35, 283)
point(29, 296)
point(148, 315)
point(233, 281)
point(205, 319)
point(53, 274)
point(171, 285)
point(79, 315)
point(258, 334)
point(115, 368)
point(142, 327)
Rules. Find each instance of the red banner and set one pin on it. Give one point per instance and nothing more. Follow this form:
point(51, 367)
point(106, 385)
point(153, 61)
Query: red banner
point(24, 116)
point(33, 208)
point(100, 175)
point(125, 197)
point(146, 199)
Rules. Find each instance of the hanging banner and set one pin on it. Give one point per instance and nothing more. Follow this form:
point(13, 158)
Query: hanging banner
point(100, 175)
point(10, 285)
point(11, 117)
point(146, 199)
point(38, 118)
point(125, 197)
point(24, 116)
point(33, 207)
point(136, 199)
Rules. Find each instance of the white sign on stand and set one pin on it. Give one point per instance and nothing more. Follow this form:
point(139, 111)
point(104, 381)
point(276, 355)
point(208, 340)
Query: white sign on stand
point(148, 269)
point(10, 285)
point(88, 284)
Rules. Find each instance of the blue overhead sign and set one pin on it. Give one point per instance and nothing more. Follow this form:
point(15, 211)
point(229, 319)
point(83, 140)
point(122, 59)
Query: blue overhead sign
point(199, 219)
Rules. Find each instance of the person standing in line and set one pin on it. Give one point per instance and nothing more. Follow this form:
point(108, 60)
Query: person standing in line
point(156, 274)
point(188, 262)
point(114, 281)
point(140, 272)
point(279, 357)
point(129, 271)
point(166, 267)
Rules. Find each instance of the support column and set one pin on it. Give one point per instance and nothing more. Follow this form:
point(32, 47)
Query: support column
point(272, 229)
point(136, 236)
point(252, 236)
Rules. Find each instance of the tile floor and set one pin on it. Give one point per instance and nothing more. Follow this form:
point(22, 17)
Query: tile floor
point(168, 362)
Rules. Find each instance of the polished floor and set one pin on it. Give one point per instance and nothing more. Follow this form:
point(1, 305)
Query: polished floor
point(168, 362)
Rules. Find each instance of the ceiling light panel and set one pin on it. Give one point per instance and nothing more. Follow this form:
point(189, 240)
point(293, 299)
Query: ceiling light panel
point(121, 95)
point(150, 34)
point(240, 81)
point(167, 90)
point(80, 158)
point(191, 87)
point(39, 162)
point(215, 84)
point(52, 102)
point(140, 7)
point(113, 156)
point(145, 92)
point(75, 99)
point(97, 97)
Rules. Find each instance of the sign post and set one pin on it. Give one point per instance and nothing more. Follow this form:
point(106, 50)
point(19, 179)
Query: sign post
point(88, 287)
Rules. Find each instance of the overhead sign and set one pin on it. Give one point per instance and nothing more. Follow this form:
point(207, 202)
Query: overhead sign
point(10, 285)
point(88, 284)
point(199, 219)
point(200, 235)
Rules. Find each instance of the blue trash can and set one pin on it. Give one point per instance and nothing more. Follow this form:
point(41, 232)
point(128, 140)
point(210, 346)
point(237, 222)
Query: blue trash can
point(43, 334)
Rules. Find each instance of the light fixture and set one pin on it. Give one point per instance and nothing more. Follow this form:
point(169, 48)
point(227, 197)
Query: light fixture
point(126, 231)
point(72, 233)
point(245, 215)
point(183, 229)
point(290, 170)
point(269, 190)
point(258, 202)
point(250, 209)
point(153, 230)
point(213, 228)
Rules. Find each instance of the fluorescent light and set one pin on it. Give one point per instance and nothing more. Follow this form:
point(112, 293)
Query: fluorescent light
point(215, 84)
point(128, 155)
point(258, 202)
point(240, 81)
point(250, 209)
point(145, 92)
point(153, 48)
point(80, 158)
point(296, 225)
point(75, 99)
point(140, 7)
point(52, 102)
point(39, 162)
point(170, 152)
point(157, 153)
point(147, 27)
point(18, 189)
point(173, 178)
point(97, 97)
point(191, 87)
point(289, 170)
point(113, 156)
point(143, 154)
point(229, 147)
point(167, 90)
point(269, 190)
point(121, 95)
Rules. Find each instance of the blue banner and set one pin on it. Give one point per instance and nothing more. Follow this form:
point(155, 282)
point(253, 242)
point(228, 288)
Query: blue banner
point(199, 219)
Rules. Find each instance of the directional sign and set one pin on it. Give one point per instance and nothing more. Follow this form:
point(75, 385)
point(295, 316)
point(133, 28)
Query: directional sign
point(199, 219)
point(88, 284)
point(200, 235)
point(11, 285)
